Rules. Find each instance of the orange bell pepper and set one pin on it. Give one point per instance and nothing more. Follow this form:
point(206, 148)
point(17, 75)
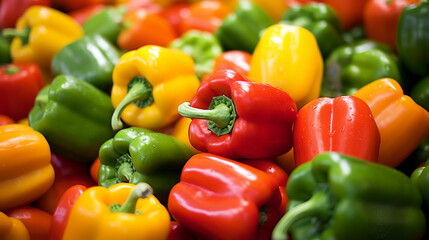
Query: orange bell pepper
point(35, 220)
point(26, 172)
point(93, 171)
point(402, 123)
point(12, 228)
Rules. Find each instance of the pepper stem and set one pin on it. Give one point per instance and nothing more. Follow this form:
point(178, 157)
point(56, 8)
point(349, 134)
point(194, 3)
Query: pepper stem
point(138, 91)
point(11, 69)
point(141, 190)
point(42, 100)
point(125, 172)
point(23, 34)
point(319, 205)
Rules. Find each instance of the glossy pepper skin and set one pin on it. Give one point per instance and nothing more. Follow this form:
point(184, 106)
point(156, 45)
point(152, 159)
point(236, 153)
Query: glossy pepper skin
point(40, 33)
point(11, 10)
point(35, 220)
point(137, 155)
point(319, 19)
point(235, 117)
point(420, 178)
point(420, 93)
point(241, 29)
point(107, 23)
point(236, 60)
point(26, 172)
point(343, 124)
point(411, 39)
point(203, 47)
point(4, 120)
point(149, 84)
point(96, 214)
point(402, 123)
point(74, 116)
point(337, 196)
point(218, 198)
point(353, 66)
point(91, 58)
point(289, 58)
point(19, 85)
point(11, 228)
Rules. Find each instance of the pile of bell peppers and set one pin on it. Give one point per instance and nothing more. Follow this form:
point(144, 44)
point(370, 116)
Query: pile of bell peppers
point(214, 119)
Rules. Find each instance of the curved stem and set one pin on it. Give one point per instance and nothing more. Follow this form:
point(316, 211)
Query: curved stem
point(125, 172)
point(42, 100)
point(23, 34)
point(138, 91)
point(141, 190)
point(11, 69)
point(219, 115)
point(319, 205)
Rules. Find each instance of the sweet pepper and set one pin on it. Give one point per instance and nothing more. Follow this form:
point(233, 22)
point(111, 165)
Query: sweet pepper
point(235, 117)
point(337, 196)
point(137, 155)
point(74, 116)
point(420, 93)
point(12, 228)
point(149, 84)
point(11, 10)
point(35, 220)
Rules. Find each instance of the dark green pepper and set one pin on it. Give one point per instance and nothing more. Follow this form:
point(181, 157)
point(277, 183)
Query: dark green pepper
point(4, 50)
point(412, 38)
point(420, 177)
point(74, 117)
point(107, 23)
point(91, 58)
point(354, 34)
point(420, 93)
point(137, 155)
point(319, 19)
point(351, 67)
point(335, 196)
point(241, 29)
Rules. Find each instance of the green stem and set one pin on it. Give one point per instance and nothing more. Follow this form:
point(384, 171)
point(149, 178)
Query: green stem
point(219, 115)
point(42, 100)
point(141, 190)
point(319, 205)
point(11, 69)
point(125, 172)
point(24, 34)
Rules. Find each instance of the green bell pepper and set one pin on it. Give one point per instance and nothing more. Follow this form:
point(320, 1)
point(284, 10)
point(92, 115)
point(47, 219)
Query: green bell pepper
point(420, 177)
point(91, 58)
point(319, 19)
point(74, 117)
point(137, 155)
point(107, 23)
point(336, 196)
point(354, 34)
point(4, 50)
point(202, 47)
point(241, 29)
point(412, 38)
point(420, 93)
point(351, 67)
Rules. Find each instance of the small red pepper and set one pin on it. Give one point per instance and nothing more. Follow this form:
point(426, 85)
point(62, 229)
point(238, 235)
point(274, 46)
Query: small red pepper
point(4, 120)
point(19, 85)
point(93, 171)
point(235, 117)
point(236, 60)
point(35, 220)
point(175, 14)
point(343, 124)
point(218, 198)
point(11, 10)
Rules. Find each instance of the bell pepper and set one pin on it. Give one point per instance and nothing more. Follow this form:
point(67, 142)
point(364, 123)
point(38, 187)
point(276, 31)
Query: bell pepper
point(11, 10)
point(175, 14)
point(67, 174)
point(218, 198)
point(5, 120)
point(97, 214)
point(83, 14)
point(412, 41)
point(19, 85)
point(144, 28)
point(137, 155)
point(149, 84)
point(351, 67)
point(62, 211)
point(74, 116)
point(241, 29)
point(289, 58)
point(178, 232)
point(202, 47)
point(337, 196)
point(93, 171)
point(235, 117)
point(180, 131)
point(420, 178)
point(26, 172)
point(354, 34)
point(236, 60)
point(12, 228)
point(91, 58)
point(321, 20)
point(402, 123)
point(40, 33)
point(35, 220)
point(349, 12)
point(420, 93)
point(4, 50)
point(343, 124)
point(381, 19)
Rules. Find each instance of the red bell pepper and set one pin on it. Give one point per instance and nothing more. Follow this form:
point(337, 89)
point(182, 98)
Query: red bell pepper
point(67, 174)
point(381, 19)
point(35, 220)
point(175, 14)
point(4, 120)
point(62, 211)
point(81, 15)
point(11, 10)
point(178, 232)
point(343, 124)
point(236, 60)
point(218, 198)
point(235, 117)
point(19, 85)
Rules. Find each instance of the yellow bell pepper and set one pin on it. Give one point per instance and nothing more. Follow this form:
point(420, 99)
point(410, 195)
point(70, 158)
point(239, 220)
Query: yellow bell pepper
point(180, 131)
point(274, 8)
point(97, 215)
point(40, 33)
point(403, 124)
point(12, 228)
point(149, 84)
point(289, 58)
point(26, 172)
